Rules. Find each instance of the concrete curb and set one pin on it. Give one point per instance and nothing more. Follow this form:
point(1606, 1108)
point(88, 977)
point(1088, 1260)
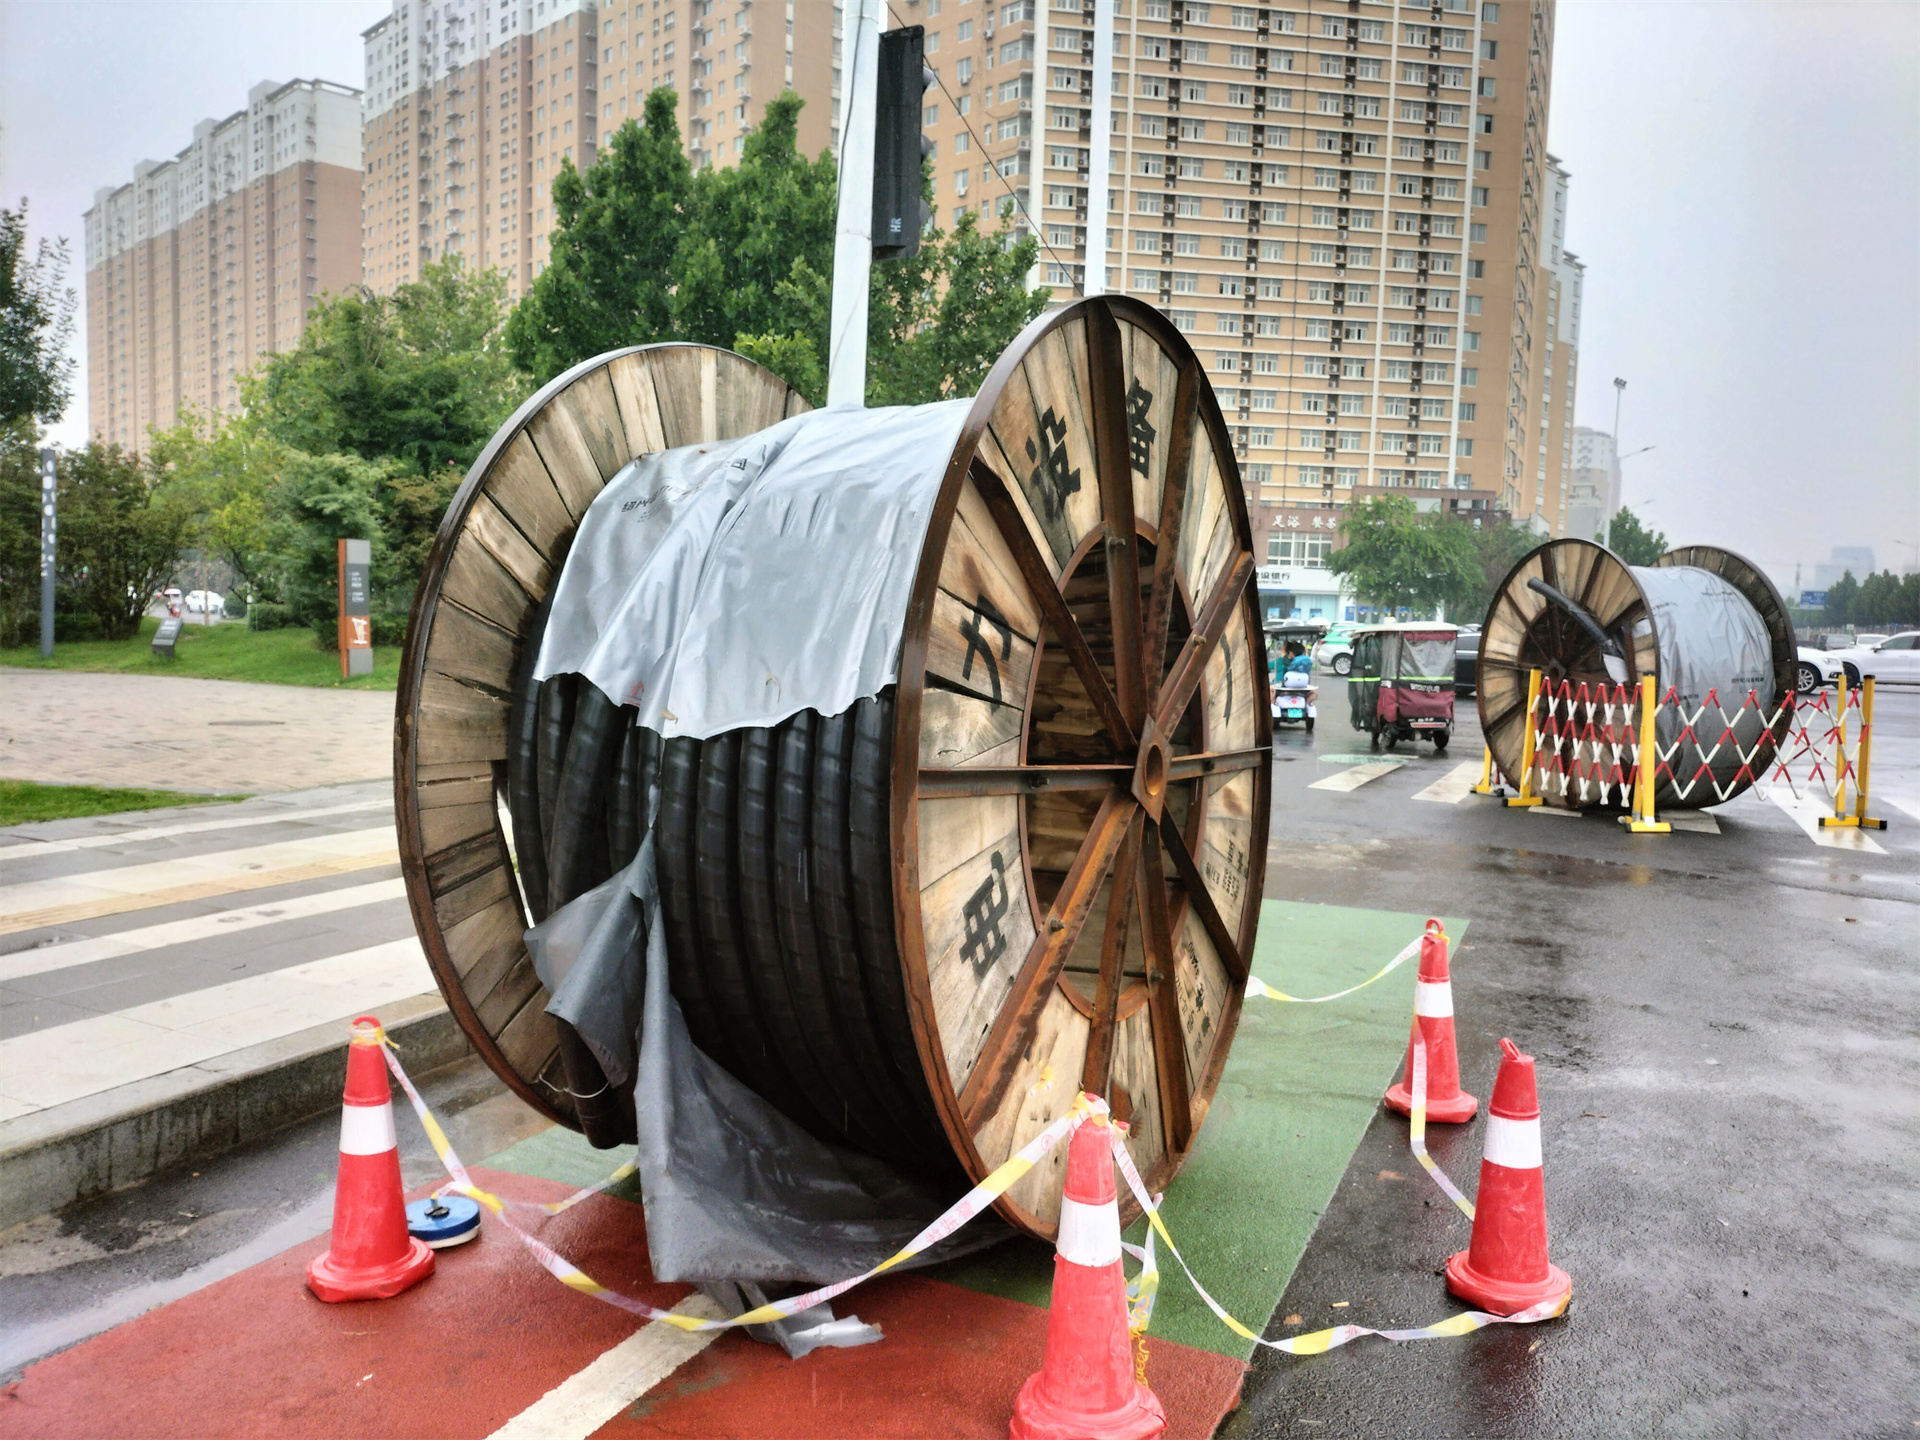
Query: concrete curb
point(102, 1142)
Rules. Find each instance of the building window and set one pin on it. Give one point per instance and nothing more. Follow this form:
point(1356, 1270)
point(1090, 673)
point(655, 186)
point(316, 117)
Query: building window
point(1260, 474)
point(1469, 375)
point(1483, 124)
point(1473, 340)
point(1486, 87)
point(1463, 446)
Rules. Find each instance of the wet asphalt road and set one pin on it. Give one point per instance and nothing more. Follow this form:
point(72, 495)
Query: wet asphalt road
point(1725, 1029)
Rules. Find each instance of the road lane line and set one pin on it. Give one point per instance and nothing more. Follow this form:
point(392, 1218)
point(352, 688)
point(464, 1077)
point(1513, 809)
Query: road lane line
point(1358, 775)
point(35, 903)
point(579, 1405)
point(1454, 786)
point(43, 959)
point(1697, 821)
point(1555, 812)
point(1912, 807)
point(83, 1057)
point(20, 846)
point(1806, 814)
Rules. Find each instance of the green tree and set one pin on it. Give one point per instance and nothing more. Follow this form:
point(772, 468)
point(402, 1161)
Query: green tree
point(36, 322)
point(123, 529)
point(1632, 541)
point(1878, 602)
point(1498, 546)
point(1399, 558)
point(1840, 607)
point(617, 227)
point(19, 533)
point(320, 500)
point(229, 469)
point(1910, 598)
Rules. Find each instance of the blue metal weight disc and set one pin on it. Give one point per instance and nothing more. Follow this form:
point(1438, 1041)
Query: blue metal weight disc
point(443, 1221)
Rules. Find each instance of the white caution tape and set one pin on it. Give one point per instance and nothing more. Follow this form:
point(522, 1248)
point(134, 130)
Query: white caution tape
point(1256, 986)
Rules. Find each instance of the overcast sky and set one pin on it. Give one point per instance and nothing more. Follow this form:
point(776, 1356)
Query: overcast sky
point(1746, 195)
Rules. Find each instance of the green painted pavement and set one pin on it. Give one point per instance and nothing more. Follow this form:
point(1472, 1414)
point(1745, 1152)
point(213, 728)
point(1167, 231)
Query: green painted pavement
point(1299, 1089)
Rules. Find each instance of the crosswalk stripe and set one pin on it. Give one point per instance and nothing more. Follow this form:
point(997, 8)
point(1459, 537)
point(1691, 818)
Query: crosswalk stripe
point(83, 1057)
point(1454, 786)
point(584, 1402)
point(1912, 807)
point(1806, 813)
point(1356, 776)
point(18, 846)
point(43, 959)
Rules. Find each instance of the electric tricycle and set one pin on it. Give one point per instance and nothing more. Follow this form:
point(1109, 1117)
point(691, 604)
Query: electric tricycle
point(1401, 687)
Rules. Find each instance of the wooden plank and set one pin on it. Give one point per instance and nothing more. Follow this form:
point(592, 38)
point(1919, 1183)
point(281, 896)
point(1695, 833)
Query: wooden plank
point(955, 830)
point(632, 380)
point(1034, 1101)
point(1232, 693)
point(475, 579)
point(458, 722)
point(1057, 822)
point(796, 404)
point(971, 649)
point(465, 647)
point(971, 572)
point(520, 485)
point(1202, 987)
point(470, 783)
point(1116, 925)
point(749, 397)
point(569, 458)
point(466, 861)
point(596, 413)
point(1151, 377)
point(1047, 489)
point(1206, 498)
point(978, 928)
point(993, 554)
point(710, 394)
point(528, 1042)
point(1226, 840)
point(994, 459)
point(499, 1004)
point(1059, 378)
point(530, 568)
point(485, 946)
point(480, 893)
point(957, 730)
point(1135, 1073)
point(1222, 544)
point(448, 825)
point(1173, 1088)
point(676, 386)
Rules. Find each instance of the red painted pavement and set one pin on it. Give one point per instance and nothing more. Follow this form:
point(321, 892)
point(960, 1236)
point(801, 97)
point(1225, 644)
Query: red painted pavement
point(491, 1332)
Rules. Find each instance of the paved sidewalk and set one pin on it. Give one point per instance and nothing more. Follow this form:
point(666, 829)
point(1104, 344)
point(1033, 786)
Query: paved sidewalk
point(172, 733)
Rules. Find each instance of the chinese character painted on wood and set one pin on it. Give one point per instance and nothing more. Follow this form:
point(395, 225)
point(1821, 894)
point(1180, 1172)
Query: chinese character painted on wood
point(1140, 431)
point(1053, 480)
point(972, 630)
point(981, 942)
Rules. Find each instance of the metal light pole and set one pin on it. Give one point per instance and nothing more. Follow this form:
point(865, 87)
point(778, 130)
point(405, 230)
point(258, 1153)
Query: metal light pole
point(1606, 531)
point(1099, 151)
point(49, 496)
point(853, 231)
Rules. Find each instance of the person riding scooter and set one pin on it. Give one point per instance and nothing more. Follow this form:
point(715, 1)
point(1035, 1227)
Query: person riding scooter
point(1295, 697)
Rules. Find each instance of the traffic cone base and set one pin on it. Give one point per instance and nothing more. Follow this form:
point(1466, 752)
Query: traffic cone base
point(1036, 1417)
point(1502, 1297)
point(333, 1282)
point(1456, 1111)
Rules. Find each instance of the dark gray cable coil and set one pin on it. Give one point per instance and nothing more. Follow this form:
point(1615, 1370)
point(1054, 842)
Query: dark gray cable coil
point(774, 865)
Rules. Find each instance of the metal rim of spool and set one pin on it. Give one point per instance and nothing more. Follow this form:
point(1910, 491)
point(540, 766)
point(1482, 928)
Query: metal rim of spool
point(504, 535)
point(1523, 631)
point(1100, 348)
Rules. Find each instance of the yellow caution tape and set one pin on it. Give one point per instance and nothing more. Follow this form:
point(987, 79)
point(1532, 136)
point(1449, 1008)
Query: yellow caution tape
point(1256, 986)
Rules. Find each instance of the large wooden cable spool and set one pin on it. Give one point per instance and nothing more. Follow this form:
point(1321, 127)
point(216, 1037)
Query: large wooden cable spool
point(1526, 630)
point(1031, 866)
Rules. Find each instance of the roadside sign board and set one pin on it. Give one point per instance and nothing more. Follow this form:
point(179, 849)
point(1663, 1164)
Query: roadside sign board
point(167, 636)
point(1813, 599)
point(356, 607)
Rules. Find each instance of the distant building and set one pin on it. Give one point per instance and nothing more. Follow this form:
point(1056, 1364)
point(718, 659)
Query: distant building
point(1593, 483)
point(205, 262)
point(1842, 559)
point(471, 107)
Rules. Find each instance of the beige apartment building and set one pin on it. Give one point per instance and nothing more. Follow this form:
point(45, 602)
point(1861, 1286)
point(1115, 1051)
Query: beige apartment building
point(203, 263)
point(471, 106)
point(1345, 206)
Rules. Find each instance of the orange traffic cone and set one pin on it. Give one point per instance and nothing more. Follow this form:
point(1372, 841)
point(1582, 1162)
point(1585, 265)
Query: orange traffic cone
point(371, 1255)
point(1084, 1388)
point(1433, 1017)
point(1504, 1269)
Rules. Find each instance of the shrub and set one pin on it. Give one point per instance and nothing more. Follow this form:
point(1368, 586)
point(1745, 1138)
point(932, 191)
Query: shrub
point(236, 606)
point(266, 615)
point(390, 629)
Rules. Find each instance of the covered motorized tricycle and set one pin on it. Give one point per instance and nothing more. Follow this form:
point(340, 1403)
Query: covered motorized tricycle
point(1401, 687)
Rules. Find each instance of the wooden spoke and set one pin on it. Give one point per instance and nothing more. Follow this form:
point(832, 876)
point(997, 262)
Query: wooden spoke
point(1053, 605)
point(1192, 767)
point(1108, 394)
point(1097, 1073)
point(1013, 1027)
point(1163, 1000)
point(1020, 779)
point(1220, 608)
point(1188, 874)
point(1173, 504)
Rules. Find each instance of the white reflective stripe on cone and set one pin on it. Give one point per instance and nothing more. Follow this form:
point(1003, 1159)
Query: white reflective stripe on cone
point(1433, 1000)
point(1089, 1234)
point(367, 1129)
point(1513, 1143)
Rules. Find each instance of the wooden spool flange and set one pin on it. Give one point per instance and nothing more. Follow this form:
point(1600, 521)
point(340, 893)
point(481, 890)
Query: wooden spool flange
point(1078, 831)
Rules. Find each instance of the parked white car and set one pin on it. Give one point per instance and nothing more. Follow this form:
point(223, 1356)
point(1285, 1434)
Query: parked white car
point(1895, 660)
point(1817, 670)
point(199, 602)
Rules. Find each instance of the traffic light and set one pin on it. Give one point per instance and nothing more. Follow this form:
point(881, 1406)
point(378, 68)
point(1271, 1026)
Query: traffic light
point(899, 149)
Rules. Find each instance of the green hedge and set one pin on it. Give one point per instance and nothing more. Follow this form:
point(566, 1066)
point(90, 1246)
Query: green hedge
point(267, 615)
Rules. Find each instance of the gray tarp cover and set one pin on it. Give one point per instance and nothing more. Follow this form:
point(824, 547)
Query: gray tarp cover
point(1712, 642)
point(715, 587)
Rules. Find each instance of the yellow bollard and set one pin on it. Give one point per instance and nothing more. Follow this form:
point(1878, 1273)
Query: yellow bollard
point(1488, 785)
point(1860, 817)
point(1643, 821)
point(1526, 795)
point(1840, 819)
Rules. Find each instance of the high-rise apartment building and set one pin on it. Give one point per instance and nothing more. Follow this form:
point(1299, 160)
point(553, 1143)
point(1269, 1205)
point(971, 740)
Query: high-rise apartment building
point(1342, 204)
point(203, 263)
point(471, 105)
point(1593, 484)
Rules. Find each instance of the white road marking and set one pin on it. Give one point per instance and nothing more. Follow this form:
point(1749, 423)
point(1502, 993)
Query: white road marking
point(84, 1057)
point(1359, 775)
point(1454, 786)
point(1555, 812)
point(36, 895)
point(1806, 813)
point(1912, 807)
point(1697, 821)
point(579, 1405)
point(42, 959)
point(22, 845)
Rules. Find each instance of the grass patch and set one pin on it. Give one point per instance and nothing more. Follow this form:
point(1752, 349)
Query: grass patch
point(226, 651)
point(22, 801)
